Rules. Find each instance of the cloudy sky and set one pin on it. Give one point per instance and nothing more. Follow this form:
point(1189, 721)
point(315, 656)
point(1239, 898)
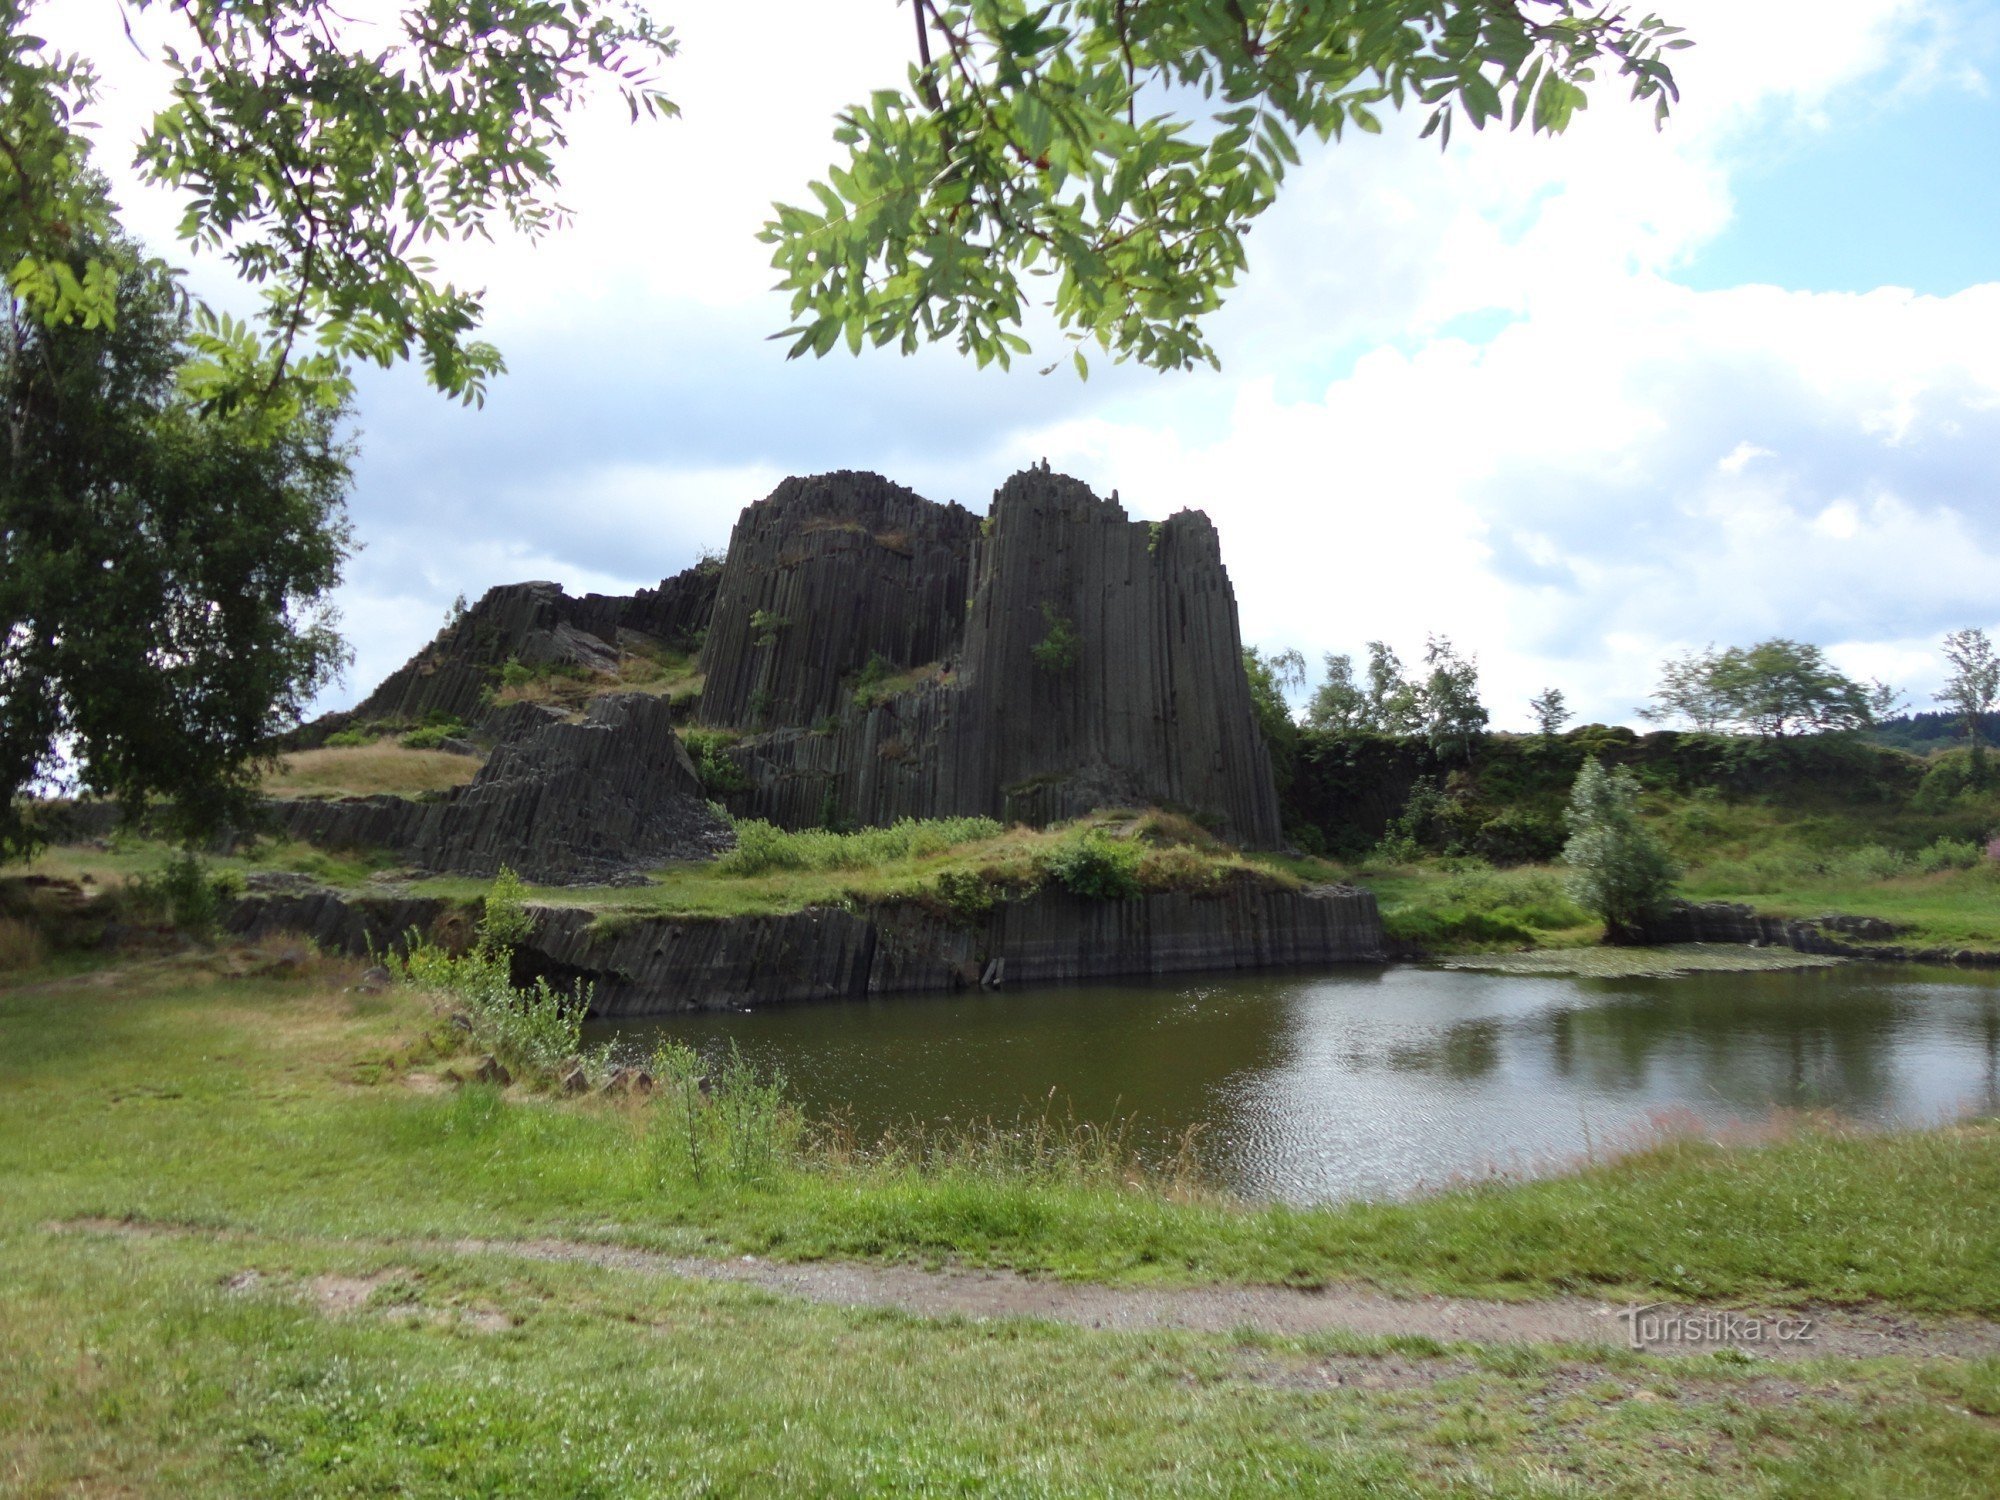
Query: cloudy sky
point(1576, 404)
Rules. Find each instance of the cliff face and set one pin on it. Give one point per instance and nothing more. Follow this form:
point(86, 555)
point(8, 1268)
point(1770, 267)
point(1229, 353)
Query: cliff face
point(1099, 664)
point(822, 576)
point(1057, 658)
point(536, 624)
point(565, 804)
point(653, 965)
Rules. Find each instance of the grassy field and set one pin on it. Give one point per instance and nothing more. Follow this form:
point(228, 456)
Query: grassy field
point(367, 771)
point(319, 1337)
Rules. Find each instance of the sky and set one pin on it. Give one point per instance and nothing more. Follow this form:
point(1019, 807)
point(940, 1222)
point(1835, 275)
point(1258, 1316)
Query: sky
point(1578, 404)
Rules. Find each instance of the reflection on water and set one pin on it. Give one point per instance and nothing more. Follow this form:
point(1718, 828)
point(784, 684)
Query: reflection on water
point(1376, 1082)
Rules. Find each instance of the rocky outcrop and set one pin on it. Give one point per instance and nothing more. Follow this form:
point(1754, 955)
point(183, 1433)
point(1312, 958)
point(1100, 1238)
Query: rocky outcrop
point(1838, 935)
point(351, 924)
point(1101, 665)
point(1056, 658)
point(536, 624)
point(644, 965)
point(823, 576)
point(566, 804)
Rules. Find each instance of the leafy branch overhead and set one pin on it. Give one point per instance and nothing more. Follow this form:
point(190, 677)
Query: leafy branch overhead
point(319, 155)
point(1119, 151)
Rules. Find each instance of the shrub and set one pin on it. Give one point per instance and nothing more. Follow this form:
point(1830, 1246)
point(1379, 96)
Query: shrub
point(868, 682)
point(965, 893)
point(729, 1124)
point(707, 749)
point(766, 626)
point(434, 733)
point(1950, 854)
point(1872, 862)
point(1089, 862)
point(1059, 650)
point(350, 739)
point(1618, 869)
point(188, 894)
point(1519, 836)
point(535, 1030)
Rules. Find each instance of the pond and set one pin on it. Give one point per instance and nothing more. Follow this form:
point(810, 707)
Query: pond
point(1378, 1082)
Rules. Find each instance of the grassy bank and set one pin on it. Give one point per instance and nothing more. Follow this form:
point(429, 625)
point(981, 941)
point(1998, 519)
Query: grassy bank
point(286, 1105)
point(321, 1337)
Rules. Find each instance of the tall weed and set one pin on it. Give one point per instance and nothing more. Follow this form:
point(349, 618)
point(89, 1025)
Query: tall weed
point(533, 1030)
point(729, 1125)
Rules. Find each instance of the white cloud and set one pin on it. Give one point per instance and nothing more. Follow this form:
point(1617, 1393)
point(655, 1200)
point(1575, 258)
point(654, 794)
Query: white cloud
point(1612, 467)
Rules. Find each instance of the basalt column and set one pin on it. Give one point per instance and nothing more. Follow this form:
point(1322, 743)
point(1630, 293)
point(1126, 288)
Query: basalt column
point(822, 576)
point(1103, 665)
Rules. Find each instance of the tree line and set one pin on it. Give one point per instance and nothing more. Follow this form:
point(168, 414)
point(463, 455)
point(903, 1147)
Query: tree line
point(1774, 689)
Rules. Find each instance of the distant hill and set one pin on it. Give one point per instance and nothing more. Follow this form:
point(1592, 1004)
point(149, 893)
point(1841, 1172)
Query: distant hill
point(1927, 732)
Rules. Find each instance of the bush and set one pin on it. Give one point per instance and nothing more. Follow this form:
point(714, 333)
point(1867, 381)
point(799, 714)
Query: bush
point(730, 1124)
point(535, 1030)
point(965, 893)
point(708, 749)
point(1060, 649)
point(1519, 836)
point(350, 739)
point(761, 847)
point(188, 894)
point(1950, 854)
point(1091, 863)
point(433, 734)
point(1618, 869)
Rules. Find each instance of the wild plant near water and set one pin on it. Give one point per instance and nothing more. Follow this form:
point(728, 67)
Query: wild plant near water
point(532, 1030)
point(728, 1124)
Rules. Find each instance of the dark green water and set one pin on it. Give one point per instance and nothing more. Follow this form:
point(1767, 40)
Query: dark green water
point(1379, 1082)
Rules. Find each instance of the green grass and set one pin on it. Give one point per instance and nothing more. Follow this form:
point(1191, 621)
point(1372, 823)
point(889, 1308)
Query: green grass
point(202, 1369)
point(1465, 906)
point(174, 1094)
point(274, 1116)
point(383, 767)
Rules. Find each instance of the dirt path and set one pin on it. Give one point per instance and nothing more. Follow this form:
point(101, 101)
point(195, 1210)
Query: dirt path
point(1659, 1328)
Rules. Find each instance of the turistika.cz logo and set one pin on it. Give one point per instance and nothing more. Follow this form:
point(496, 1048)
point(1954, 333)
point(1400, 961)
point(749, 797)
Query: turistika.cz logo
point(1657, 1323)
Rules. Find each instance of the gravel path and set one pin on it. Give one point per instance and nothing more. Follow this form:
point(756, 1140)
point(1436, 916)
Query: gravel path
point(1659, 1328)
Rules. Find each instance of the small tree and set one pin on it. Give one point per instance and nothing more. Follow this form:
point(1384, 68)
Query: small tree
point(1686, 692)
point(1270, 678)
point(1394, 704)
point(1772, 689)
point(1551, 712)
point(1453, 716)
point(1338, 705)
point(1618, 869)
point(1971, 689)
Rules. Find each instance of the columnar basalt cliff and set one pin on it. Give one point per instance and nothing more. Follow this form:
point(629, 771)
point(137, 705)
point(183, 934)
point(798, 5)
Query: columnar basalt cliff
point(824, 576)
point(568, 804)
point(877, 657)
point(649, 965)
point(1096, 662)
point(535, 624)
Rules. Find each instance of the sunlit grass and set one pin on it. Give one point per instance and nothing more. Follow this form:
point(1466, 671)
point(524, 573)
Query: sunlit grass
point(383, 767)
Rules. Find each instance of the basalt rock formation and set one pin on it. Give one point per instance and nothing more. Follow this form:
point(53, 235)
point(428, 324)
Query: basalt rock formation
point(823, 577)
point(534, 624)
point(565, 804)
point(870, 655)
point(1835, 935)
point(648, 965)
point(1100, 665)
